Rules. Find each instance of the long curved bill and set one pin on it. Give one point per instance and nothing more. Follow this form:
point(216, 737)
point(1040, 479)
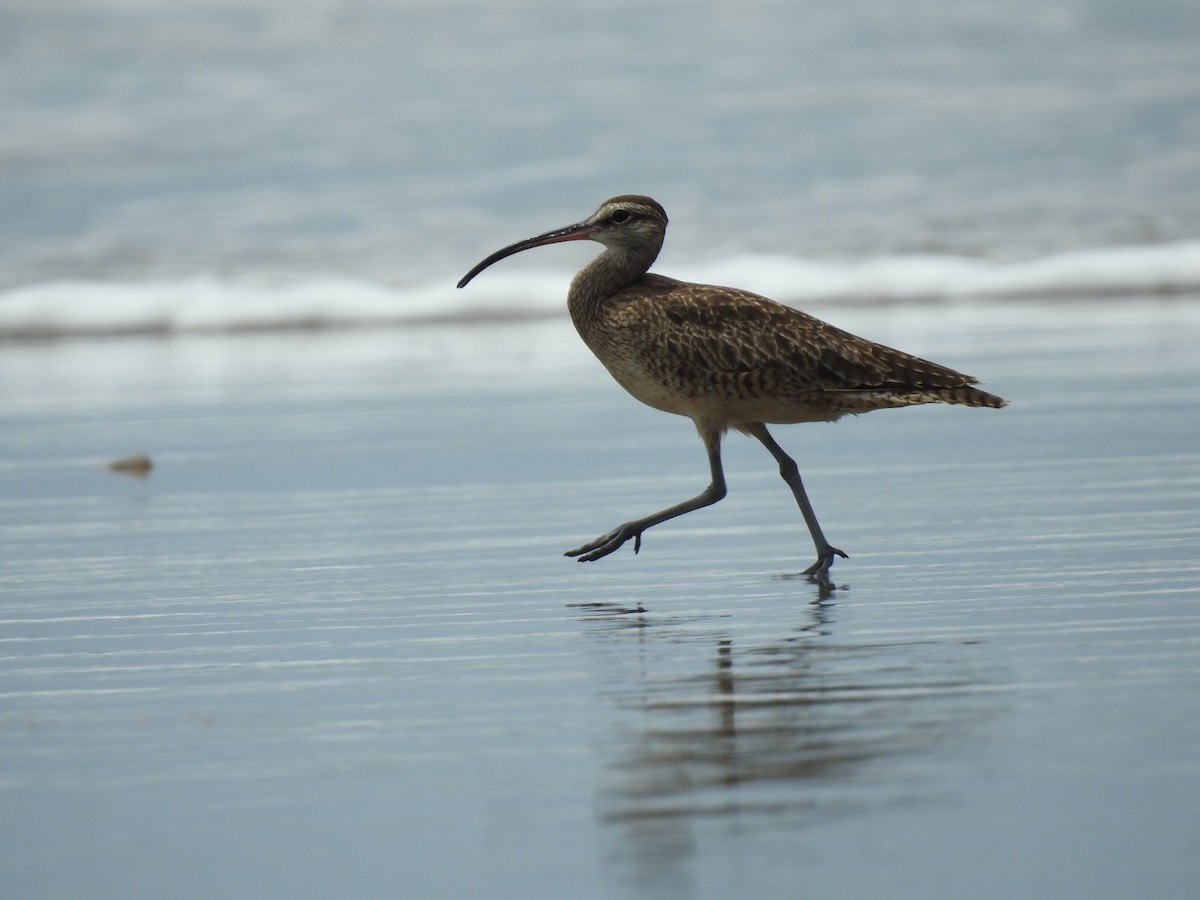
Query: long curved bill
point(579, 232)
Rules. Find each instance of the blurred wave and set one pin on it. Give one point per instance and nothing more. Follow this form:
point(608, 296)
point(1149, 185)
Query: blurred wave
point(214, 305)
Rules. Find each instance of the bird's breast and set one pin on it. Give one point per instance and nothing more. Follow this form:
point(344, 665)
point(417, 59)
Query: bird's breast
point(650, 380)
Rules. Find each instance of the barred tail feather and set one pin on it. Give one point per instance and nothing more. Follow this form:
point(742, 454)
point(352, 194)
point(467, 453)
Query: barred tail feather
point(971, 396)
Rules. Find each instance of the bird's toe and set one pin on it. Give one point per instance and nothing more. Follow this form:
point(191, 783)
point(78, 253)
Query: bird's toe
point(820, 569)
point(606, 544)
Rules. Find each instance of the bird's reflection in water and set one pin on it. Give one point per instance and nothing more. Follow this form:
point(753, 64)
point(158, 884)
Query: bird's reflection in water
point(715, 730)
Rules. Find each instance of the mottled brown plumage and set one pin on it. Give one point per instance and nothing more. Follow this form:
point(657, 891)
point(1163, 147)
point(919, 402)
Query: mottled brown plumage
point(725, 358)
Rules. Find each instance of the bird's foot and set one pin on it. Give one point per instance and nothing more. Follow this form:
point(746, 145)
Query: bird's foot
point(818, 572)
point(607, 543)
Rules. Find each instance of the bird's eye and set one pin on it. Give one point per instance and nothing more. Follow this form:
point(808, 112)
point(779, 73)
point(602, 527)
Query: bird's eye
point(620, 216)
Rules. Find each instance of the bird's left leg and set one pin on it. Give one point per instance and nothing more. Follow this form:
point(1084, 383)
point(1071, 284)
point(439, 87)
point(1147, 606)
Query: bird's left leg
point(819, 570)
point(607, 543)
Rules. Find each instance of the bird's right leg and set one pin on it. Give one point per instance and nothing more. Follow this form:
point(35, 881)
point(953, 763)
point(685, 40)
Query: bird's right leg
point(607, 543)
point(818, 571)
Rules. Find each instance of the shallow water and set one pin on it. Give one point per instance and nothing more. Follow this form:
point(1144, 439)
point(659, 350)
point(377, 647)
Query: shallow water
point(330, 646)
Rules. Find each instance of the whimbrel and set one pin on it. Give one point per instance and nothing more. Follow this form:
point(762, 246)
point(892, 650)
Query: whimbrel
point(725, 358)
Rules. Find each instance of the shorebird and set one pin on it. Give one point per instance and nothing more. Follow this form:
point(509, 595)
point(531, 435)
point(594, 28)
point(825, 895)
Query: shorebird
point(725, 358)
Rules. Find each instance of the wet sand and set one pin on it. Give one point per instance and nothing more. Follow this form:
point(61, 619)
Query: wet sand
point(328, 645)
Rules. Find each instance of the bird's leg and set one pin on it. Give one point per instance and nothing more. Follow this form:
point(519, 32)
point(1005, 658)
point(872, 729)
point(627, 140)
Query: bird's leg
point(607, 543)
point(818, 571)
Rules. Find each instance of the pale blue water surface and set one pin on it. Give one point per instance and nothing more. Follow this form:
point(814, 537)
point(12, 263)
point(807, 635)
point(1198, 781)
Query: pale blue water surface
point(330, 645)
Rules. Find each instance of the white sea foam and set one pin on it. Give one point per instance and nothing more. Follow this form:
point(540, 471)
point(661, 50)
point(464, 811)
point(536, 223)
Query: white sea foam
point(1157, 268)
point(208, 304)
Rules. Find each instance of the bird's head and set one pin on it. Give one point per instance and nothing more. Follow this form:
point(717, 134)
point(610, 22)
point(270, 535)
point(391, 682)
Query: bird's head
point(629, 223)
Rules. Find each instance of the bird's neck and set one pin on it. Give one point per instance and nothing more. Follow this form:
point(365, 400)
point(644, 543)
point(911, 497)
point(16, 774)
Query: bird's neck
point(603, 277)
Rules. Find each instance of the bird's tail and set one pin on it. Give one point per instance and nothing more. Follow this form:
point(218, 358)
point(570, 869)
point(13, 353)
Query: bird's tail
point(970, 396)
